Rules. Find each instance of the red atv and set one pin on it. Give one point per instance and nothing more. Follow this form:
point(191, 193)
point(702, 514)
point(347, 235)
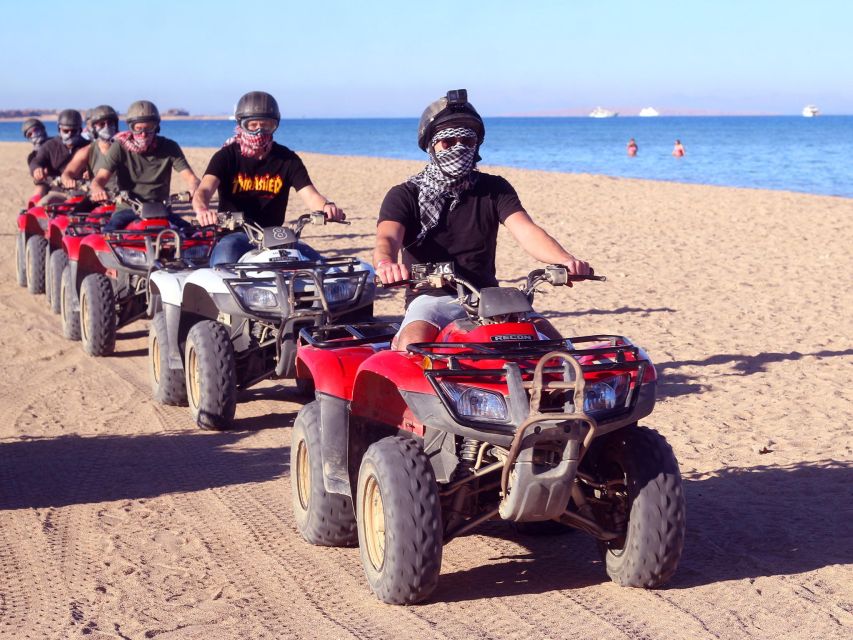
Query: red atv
point(31, 246)
point(490, 421)
point(105, 283)
point(69, 228)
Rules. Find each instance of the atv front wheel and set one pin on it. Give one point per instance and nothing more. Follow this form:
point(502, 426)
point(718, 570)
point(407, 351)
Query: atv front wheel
point(36, 248)
point(70, 317)
point(167, 385)
point(399, 521)
point(53, 279)
point(211, 376)
point(323, 518)
point(97, 315)
point(645, 500)
point(21, 259)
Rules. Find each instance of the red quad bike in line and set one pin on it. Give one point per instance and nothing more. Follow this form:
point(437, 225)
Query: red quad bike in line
point(40, 235)
point(490, 421)
point(105, 284)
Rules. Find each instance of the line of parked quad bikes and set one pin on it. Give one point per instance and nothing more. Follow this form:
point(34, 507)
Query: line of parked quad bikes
point(397, 452)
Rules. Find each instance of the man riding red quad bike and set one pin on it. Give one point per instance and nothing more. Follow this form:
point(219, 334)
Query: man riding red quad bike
point(488, 421)
point(105, 283)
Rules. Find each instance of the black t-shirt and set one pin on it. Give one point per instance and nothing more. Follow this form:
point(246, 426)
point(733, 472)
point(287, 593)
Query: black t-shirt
point(53, 155)
point(466, 236)
point(258, 188)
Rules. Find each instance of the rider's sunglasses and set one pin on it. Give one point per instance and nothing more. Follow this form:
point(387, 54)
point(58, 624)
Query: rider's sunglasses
point(447, 143)
point(35, 132)
point(99, 124)
point(67, 130)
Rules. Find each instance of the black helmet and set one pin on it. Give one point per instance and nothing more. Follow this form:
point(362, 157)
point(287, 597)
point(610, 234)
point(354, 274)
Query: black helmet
point(103, 112)
point(142, 111)
point(70, 118)
point(453, 110)
point(257, 104)
point(29, 123)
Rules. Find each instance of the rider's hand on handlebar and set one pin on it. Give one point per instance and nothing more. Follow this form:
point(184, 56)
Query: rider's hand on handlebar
point(576, 267)
point(39, 173)
point(97, 193)
point(68, 182)
point(332, 212)
point(205, 216)
point(391, 272)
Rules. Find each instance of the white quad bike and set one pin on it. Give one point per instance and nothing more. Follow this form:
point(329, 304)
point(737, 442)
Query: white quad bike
point(218, 330)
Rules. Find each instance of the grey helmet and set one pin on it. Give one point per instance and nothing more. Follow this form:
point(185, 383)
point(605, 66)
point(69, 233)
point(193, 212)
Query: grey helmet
point(257, 104)
point(70, 118)
point(142, 111)
point(453, 110)
point(103, 112)
point(29, 123)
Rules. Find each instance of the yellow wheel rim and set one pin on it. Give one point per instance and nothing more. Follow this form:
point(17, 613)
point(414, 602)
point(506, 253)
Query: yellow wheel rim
point(84, 316)
point(155, 359)
point(303, 475)
point(194, 387)
point(374, 523)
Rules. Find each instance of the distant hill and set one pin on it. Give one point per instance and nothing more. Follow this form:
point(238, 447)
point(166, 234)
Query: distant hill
point(27, 113)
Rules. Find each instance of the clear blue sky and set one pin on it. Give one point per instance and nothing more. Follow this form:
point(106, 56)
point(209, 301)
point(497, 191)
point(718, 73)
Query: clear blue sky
point(362, 59)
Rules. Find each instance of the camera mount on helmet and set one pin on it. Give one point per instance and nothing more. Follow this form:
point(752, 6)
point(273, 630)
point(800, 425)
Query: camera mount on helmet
point(453, 110)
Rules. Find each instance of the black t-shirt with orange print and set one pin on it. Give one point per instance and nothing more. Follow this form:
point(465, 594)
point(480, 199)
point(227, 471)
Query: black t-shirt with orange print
point(258, 188)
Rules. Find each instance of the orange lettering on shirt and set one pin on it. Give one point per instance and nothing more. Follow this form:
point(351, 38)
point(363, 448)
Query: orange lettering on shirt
point(267, 182)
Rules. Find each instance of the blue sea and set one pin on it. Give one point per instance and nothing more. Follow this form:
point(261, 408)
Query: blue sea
point(810, 155)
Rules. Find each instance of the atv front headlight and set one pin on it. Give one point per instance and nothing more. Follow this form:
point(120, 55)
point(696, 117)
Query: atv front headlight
point(257, 298)
point(476, 404)
point(606, 394)
point(135, 257)
point(339, 290)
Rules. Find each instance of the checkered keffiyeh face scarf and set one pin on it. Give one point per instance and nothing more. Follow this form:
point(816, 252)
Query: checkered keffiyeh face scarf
point(252, 145)
point(448, 175)
point(136, 143)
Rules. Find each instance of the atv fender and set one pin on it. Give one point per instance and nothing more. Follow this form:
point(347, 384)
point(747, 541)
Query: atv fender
point(172, 314)
point(333, 370)
point(334, 443)
point(167, 286)
point(71, 245)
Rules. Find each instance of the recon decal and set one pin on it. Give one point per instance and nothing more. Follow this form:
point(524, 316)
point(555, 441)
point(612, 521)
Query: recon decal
point(511, 337)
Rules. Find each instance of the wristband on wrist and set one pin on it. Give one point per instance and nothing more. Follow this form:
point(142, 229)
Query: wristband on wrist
point(327, 203)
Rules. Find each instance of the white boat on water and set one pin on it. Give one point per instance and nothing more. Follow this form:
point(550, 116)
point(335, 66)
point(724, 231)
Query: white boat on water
point(810, 111)
point(648, 112)
point(599, 112)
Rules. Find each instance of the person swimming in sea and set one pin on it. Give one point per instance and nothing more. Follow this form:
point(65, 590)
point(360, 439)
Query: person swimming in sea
point(678, 149)
point(632, 147)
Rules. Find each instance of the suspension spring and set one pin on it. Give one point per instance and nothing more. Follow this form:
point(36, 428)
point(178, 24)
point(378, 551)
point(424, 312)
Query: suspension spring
point(468, 451)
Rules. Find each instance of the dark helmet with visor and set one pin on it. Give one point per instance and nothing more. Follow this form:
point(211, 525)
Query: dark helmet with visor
point(453, 110)
point(70, 118)
point(29, 123)
point(142, 111)
point(257, 105)
point(103, 112)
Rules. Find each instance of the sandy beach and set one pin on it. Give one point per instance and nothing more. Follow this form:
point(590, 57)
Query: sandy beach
point(120, 519)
